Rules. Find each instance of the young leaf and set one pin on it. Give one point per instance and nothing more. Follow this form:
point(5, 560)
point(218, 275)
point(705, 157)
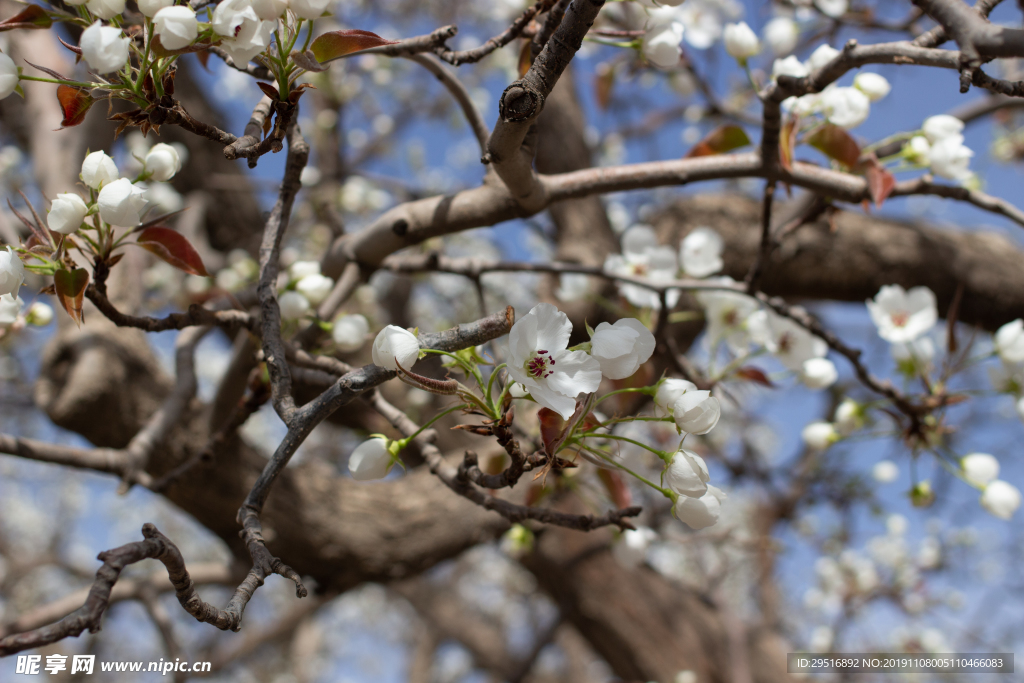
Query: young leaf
point(172, 247)
point(335, 44)
point(721, 140)
point(32, 16)
point(837, 144)
point(880, 181)
point(307, 61)
point(552, 426)
point(74, 103)
point(69, 286)
point(617, 488)
point(756, 375)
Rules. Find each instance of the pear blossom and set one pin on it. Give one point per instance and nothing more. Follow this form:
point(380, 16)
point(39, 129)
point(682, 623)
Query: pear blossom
point(832, 8)
point(309, 9)
point(700, 513)
point(726, 313)
point(669, 391)
point(98, 169)
point(687, 474)
point(950, 158)
point(631, 549)
point(805, 105)
point(696, 412)
point(12, 272)
point(885, 471)
point(246, 34)
point(151, 7)
point(622, 348)
point(980, 468)
point(701, 252)
point(39, 314)
point(901, 315)
point(782, 337)
point(121, 203)
point(818, 373)
point(822, 55)
point(819, 436)
point(315, 288)
point(177, 28)
point(1009, 341)
point(849, 417)
point(942, 126)
point(572, 286)
point(790, 66)
point(660, 45)
point(370, 460)
point(269, 10)
point(643, 257)
point(293, 306)
point(105, 48)
point(741, 42)
point(875, 86)
point(781, 34)
point(349, 332)
point(845, 107)
point(10, 309)
point(540, 361)
point(1001, 499)
point(9, 76)
point(1007, 378)
point(105, 9)
point(914, 357)
point(395, 346)
point(67, 211)
point(162, 160)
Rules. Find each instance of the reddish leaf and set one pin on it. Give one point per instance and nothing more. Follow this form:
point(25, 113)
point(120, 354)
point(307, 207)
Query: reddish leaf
point(335, 44)
point(551, 428)
point(837, 144)
point(617, 488)
point(787, 144)
point(269, 90)
point(204, 58)
point(74, 103)
point(604, 81)
point(69, 286)
point(756, 375)
point(307, 61)
point(721, 140)
point(172, 247)
point(76, 50)
point(880, 182)
point(32, 16)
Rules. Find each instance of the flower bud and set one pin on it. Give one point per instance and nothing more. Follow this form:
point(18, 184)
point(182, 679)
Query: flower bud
point(121, 203)
point(875, 86)
point(622, 348)
point(395, 346)
point(922, 495)
point(687, 474)
point(370, 460)
point(162, 161)
point(66, 213)
point(849, 417)
point(701, 252)
point(821, 56)
point(700, 513)
point(151, 7)
point(315, 288)
point(819, 435)
point(177, 27)
point(349, 332)
point(98, 169)
point(696, 412)
point(12, 272)
point(845, 107)
point(39, 314)
point(105, 48)
point(1001, 499)
point(741, 42)
point(980, 468)
point(781, 34)
point(309, 9)
point(1009, 341)
point(819, 373)
point(668, 393)
point(9, 76)
point(660, 45)
point(918, 151)
point(941, 127)
point(10, 309)
point(105, 9)
point(885, 471)
point(293, 306)
point(269, 10)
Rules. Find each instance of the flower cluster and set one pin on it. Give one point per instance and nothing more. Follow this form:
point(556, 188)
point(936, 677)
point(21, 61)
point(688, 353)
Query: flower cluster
point(843, 106)
point(303, 289)
point(939, 145)
point(698, 22)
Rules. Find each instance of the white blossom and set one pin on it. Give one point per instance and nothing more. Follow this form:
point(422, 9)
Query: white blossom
point(703, 20)
point(162, 160)
point(845, 107)
point(12, 272)
point(9, 76)
point(622, 348)
point(121, 203)
point(669, 391)
point(885, 471)
point(309, 9)
point(105, 9)
point(539, 360)
point(700, 513)
point(1001, 499)
point(701, 252)
point(950, 158)
point(177, 27)
point(741, 42)
point(293, 306)
point(642, 257)
point(98, 169)
point(727, 314)
point(631, 548)
point(315, 287)
point(819, 436)
point(832, 8)
point(1009, 341)
point(790, 66)
point(370, 460)
point(914, 357)
point(349, 332)
point(301, 269)
point(151, 7)
point(246, 35)
point(395, 346)
point(696, 412)
point(105, 48)
point(67, 211)
point(790, 343)
point(902, 316)
point(918, 151)
point(849, 417)
point(687, 474)
point(980, 468)
point(660, 45)
point(875, 86)
point(781, 34)
point(10, 309)
point(39, 314)
point(269, 10)
point(822, 55)
point(940, 127)
point(818, 373)
point(572, 286)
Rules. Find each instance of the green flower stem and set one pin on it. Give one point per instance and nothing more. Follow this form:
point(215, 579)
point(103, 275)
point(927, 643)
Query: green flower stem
point(77, 84)
point(667, 457)
point(606, 457)
point(490, 385)
point(631, 390)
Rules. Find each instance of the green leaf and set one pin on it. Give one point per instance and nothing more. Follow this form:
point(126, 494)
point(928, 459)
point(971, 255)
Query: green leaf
point(721, 140)
point(172, 247)
point(69, 286)
point(837, 144)
point(335, 44)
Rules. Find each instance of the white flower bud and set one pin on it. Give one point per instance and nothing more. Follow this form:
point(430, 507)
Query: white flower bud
point(309, 9)
point(121, 203)
point(10, 309)
point(1001, 499)
point(819, 435)
point(661, 45)
point(885, 471)
point(349, 332)
point(39, 314)
point(790, 66)
point(177, 27)
point(781, 34)
point(701, 252)
point(105, 9)
point(951, 158)
point(66, 213)
point(918, 151)
point(9, 76)
point(832, 8)
point(873, 85)
point(822, 55)
point(740, 41)
point(622, 348)
point(105, 48)
point(668, 393)
point(395, 346)
point(1009, 341)
point(819, 373)
point(849, 417)
point(845, 107)
point(162, 160)
point(370, 460)
point(12, 272)
point(941, 127)
point(687, 474)
point(301, 269)
point(700, 513)
point(269, 10)
point(99, 169)
point(293, 305)
point(980, 468)
point(151, 7)
point(315, 288)
point(696, 412)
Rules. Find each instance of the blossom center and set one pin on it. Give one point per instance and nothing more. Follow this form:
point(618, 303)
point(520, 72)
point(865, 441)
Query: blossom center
point(900, 318)
point(538, 364)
